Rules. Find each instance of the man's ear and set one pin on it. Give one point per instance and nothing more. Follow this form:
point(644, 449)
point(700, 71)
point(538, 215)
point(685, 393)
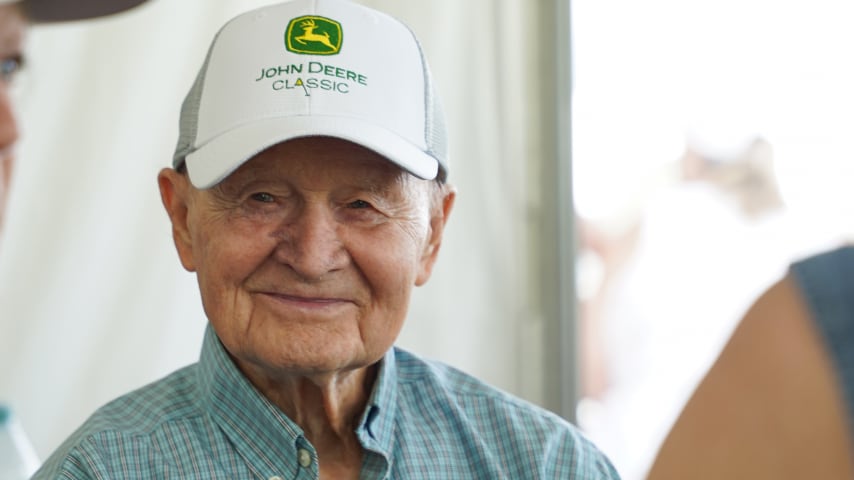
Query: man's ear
point(175, 190)
point(438, 218)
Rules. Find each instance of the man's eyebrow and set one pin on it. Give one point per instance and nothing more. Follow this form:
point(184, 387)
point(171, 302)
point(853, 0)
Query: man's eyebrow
point(222, 191)
point(237, 180)
point(384, 185)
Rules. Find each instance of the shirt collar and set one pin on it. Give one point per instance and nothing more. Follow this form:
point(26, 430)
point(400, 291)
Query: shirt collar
point(376, 428)
point(265, 438)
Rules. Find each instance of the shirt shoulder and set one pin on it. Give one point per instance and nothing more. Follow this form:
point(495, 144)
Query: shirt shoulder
point(502, 435)
point(826, 282)
point(133, 428)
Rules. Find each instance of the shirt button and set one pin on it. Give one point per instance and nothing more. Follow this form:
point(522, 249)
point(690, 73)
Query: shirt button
point(275, 477)
point(304, 457)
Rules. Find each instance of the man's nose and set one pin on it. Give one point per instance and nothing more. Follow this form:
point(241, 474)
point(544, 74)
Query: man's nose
point(8, 121)
point(310, 242)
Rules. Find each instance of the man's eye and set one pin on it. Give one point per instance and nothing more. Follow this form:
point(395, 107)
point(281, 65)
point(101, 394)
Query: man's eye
point(9, 67)
point(359, 204)
point(263, 197)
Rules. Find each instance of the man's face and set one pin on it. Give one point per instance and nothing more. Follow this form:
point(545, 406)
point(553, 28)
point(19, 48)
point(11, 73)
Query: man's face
point(12, 28)
point(307, 254)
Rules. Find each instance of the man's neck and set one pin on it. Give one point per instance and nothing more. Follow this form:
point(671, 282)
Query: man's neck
point(326, 406)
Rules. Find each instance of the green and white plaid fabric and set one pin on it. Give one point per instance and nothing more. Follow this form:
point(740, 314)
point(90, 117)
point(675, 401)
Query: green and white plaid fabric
point(424, 420)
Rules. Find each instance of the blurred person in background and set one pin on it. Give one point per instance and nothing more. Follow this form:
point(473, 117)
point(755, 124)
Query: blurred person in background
point(650, 330)
point(18, 458)
point(15, 18)
point(12, 28)
point(779, 401)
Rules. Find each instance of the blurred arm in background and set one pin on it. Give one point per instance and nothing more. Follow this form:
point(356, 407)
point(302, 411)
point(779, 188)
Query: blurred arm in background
point(777, 403)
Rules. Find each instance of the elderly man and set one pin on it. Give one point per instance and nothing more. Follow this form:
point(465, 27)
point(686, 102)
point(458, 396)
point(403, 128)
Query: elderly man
point(14, 18)
point(309, 196)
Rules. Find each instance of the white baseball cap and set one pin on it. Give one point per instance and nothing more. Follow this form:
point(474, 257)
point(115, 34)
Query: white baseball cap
point(45, 11)
point(311, 68)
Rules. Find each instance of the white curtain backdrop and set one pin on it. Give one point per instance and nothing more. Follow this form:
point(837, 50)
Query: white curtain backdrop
point(93, 301)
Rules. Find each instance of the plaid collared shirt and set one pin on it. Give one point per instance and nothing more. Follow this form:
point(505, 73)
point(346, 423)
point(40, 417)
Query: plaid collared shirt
point(424, 420)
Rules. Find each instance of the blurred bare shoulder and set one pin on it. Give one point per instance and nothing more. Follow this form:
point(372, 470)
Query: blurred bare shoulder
point(770, 407)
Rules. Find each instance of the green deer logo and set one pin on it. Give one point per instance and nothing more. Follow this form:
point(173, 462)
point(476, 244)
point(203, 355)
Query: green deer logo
point(312, 35)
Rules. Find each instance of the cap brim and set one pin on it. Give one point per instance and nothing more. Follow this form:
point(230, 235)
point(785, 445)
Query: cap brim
point(46, 11)
point(215, 160)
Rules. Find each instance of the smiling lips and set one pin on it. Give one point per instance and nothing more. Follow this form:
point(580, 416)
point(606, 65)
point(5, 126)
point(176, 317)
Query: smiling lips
point(305, 301)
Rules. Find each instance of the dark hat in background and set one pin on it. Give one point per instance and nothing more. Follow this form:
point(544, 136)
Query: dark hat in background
point(48, 11)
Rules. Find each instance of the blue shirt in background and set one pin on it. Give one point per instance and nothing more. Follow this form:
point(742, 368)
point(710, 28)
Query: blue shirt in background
point(827, 282)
